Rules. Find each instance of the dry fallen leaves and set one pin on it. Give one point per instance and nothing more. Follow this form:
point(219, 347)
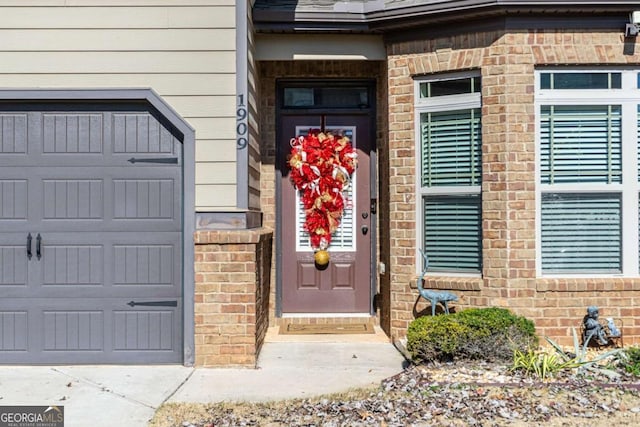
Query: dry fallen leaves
point(435, 395)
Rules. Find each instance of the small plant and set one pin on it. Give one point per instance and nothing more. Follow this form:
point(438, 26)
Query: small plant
point(540, 364)
point(481, 333)
point(630, 360)
point(543, 364)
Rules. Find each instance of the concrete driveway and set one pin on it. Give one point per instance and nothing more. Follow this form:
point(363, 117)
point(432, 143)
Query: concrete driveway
point(99, 396)
point(128, 396)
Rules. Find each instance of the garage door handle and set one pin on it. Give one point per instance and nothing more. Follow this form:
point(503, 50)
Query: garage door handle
point(29, 255)
point(154, 303)
point(39, 247)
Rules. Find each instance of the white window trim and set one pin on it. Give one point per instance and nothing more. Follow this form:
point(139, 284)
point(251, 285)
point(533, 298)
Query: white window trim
point(431, 105)
point(629, 98)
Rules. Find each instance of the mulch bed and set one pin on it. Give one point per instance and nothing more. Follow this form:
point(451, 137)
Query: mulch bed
point(456, 394)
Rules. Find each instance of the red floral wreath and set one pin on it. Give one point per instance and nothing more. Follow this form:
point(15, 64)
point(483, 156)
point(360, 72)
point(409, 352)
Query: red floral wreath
point(321, 167)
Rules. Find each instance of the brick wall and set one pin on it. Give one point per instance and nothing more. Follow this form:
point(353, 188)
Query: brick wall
point(232, 274)
point(506, 62)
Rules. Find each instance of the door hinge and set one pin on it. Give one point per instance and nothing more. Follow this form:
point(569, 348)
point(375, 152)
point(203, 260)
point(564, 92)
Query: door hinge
point(153, 303)
point(170, 160)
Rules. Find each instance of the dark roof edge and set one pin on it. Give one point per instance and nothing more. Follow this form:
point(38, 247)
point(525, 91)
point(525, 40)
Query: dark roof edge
point(456, 6)
point(447, 11)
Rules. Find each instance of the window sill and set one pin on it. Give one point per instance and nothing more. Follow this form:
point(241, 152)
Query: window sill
point(452, 283)
point(609, 284)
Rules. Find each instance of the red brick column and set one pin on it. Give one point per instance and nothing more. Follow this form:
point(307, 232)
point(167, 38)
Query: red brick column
point(232, 285)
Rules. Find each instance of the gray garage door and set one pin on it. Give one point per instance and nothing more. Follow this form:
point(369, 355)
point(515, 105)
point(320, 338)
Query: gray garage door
point(90, 235)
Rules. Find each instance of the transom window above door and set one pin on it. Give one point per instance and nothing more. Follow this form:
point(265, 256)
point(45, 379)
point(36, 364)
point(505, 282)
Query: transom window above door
point(587, 168)
point(326, 97)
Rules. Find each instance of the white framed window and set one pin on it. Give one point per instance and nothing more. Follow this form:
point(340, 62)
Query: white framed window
point(587, 138)
point(449, 153)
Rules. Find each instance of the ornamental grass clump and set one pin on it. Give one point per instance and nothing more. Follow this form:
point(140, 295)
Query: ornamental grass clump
point(490, 334)
point(539, 364)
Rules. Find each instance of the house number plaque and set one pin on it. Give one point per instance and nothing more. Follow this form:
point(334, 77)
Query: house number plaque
point(241, 124)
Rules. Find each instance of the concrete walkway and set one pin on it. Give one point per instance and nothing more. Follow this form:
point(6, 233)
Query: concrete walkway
point(128, 396)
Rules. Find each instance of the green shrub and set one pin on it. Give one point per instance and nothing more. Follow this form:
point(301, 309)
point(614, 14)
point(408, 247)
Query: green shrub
point(479, 333)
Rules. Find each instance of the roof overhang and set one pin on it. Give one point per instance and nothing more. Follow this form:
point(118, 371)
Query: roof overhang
point(383, 16)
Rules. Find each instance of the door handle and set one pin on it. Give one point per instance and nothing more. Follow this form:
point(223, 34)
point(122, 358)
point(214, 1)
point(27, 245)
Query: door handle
point(364, 229)
point(29, 255)
point(39, 247)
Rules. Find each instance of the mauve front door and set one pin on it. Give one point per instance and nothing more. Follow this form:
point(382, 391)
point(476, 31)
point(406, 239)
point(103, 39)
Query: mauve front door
point(344, 286)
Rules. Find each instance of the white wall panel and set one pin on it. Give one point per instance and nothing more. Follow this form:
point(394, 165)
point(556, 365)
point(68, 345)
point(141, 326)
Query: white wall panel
point(214, 196)
point(222, 173)
point(138, 40)
point(212, 150)
point(169, 84)
point(118, 62)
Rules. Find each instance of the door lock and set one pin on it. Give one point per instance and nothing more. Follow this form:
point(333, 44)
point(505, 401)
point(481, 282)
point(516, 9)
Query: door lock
point(365, 230)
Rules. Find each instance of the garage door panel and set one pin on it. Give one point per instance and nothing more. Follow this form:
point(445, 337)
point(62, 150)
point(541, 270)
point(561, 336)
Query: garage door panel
point(72, 133)
point(139, 330)
point(141, 133)
point(72, 265)
point(72, 199)
point(144, 264)
point(13, 331)
point(13, 199)
point(73, 330)
point(14, 264)
point(144, 199)
point(13, 134)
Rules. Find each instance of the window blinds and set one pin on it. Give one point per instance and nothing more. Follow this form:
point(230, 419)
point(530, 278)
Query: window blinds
point(581, 144)
point(451, 148)
point(581, 233)
point(452, 232)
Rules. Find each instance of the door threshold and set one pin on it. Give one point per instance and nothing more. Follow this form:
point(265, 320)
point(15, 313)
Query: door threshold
point(273, 336)
point(325, 315)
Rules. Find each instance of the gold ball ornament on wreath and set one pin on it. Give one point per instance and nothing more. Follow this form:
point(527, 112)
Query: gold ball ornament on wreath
point(321, 257)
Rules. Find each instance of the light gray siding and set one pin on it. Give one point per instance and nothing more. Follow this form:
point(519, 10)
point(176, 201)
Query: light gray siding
point(183, 49)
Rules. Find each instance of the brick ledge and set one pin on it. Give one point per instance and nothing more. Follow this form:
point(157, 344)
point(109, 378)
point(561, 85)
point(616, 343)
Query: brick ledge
point(611, 284)
point(453, 283)
point(225, 237)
